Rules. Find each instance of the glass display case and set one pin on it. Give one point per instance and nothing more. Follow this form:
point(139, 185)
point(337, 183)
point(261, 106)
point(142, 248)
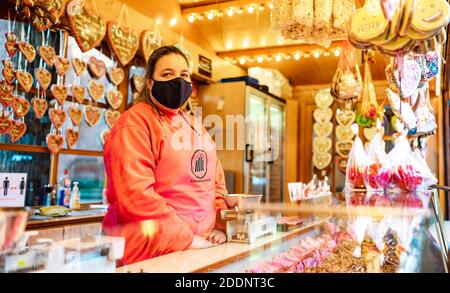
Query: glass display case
point(368, 233)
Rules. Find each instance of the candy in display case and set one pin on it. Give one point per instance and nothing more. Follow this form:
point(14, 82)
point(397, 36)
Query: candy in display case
point(368, 233)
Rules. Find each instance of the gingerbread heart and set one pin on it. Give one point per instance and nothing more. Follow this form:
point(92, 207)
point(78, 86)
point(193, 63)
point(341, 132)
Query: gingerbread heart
point(96, 90)
point(323, 99)
point(25, 80)
point(321, 160)
point(111, 117)
point(27, 50)
point(92, 115)
point(104, 134)
point(59, 93)
point(123, 41)
point(5, 124)
point(345, 117)
point(343, 148)
point(8, 71)
point(323, 115)
point(57, 117)
point(55, 143)
point(47, 54)
point(11, 44)
point(75, 115)
point(20, 106)
point(87, 29)
point(138, 82)
point(44, 78)
point(323, 129)
point(78, 93)
point(148, 43)
point(116, 75)
point(322, 144)
point(96, 67)
point(79, 66)
point(72, 137)
point(342, 164)
point(62, 65)
point(114, 98)
point(344, 133)
point(17, 130)
point(39, 107)
point(6, 96)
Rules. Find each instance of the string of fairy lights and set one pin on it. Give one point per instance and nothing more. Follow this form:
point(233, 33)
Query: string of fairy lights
point(278, 57)
point(229, 11)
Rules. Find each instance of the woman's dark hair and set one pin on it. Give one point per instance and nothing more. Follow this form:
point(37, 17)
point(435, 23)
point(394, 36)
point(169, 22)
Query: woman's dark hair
point(151, 64)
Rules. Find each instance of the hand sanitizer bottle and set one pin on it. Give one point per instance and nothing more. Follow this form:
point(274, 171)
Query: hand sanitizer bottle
point(75, 197)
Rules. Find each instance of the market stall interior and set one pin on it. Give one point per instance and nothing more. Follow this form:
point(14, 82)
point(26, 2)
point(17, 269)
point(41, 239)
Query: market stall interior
point(331, 119)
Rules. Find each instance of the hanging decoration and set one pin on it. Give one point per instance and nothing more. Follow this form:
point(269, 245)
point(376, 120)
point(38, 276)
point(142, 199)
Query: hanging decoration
point(72, 137)
point(87, 28)
point(111, 117)
point(62, 65)
point(17, 130)
point(92, 115)
point(5, 123)
point(322, 128)
point(149, 41)
point(96, 67)
point(116, 75)
point(79, 66)
point(39, 107)
point(41, 13)
point(55, 142)
point(8, 71)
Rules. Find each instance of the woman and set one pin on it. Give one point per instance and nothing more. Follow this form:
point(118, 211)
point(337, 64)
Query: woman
point(164, 179)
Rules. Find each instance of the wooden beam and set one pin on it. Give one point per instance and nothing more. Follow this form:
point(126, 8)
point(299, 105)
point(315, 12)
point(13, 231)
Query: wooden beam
point(285, 49)
point(222, 6)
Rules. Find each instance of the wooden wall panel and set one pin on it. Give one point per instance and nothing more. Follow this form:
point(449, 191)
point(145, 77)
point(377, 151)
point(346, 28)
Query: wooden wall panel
point(292, 139)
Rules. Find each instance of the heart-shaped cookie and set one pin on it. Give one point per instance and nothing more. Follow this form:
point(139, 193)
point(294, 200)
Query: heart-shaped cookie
point(58, 117)
point(8, 71)
point(103, 135)
point(27, 50)
point(92, 115)
point(78, 93)
point(345, 117)
point(75, 115)
point(55, 143)
point(20, 106)
point(344, 133)
point(96, 90)
point(323, 129)
point(343, 148)
point(62, 65)
point(324, 99)
point(96, 67)
point(111, 117)
point(123, 41)
point(138, 82)
point(39, 107)
point(44, 78)
point(87, 29)
point(5, 123)
point(17, 130)
point(79, 66)
point(25, 80)
point(6, 96)
point(342, 164)
point(323, 115)
point(149, 42)
point(11, 44)
point(322, 144)
point(47, 54)
point(114, 98)
point(321, 160)
point(72, 137)
point(59, 93)
point(116, 75)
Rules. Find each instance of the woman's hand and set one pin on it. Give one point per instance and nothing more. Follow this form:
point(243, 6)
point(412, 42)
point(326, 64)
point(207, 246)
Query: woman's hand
point(216, 237)
point(199, 242)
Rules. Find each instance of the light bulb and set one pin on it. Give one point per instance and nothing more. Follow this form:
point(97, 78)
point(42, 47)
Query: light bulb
point(242, 61)
point(278, 58)
point(270, 5)
point(260, 59)
point(229, 45)
point(261, 7)
point(297, 56)
point(251, 9)
point(316, 54)
point(306, 55)
point(191, 18)
point(210, 15)
point(287, 57)
point(240, 11)
point(337, 52)
point(230, 12)
point(326, 53)
point(173, 22)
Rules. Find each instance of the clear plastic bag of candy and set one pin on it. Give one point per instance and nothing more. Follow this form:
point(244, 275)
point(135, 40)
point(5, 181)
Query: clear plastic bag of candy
point(377, 174)
point(356, 164)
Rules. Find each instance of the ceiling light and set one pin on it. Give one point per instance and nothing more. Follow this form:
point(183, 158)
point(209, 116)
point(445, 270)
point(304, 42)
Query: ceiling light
point(229, 45)
point(242, 61)
point(316, 54)
point(287, 57)
point(297, 56)
point(261, 7)
point(210, 15)
point(245, 43)
point(270, 5)
point(337, 52)
point(191, 18)
point(230, 12)
point(220, 14)
point(250, 9)
point(326, 53)
point(260, 59)
point(278, 58)
point(306, 55)
point(240, 11)
point(173, 22)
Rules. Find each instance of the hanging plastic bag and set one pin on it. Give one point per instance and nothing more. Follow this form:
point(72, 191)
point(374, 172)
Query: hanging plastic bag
point(377, 174)
point(428, 178)
point(369, 110)
point(357, 161)
point(347, 83)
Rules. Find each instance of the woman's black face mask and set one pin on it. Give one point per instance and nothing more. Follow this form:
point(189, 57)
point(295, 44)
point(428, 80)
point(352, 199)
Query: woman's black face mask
point(172, 93)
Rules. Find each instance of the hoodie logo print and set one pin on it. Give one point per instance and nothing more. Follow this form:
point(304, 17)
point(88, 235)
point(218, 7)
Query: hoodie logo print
point(199, 163)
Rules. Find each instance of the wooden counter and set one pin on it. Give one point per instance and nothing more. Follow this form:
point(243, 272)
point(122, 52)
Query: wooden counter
point(75, 217)
point(204, 260)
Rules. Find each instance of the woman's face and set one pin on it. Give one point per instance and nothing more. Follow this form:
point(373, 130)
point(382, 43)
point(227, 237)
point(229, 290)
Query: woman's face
point(169, 67)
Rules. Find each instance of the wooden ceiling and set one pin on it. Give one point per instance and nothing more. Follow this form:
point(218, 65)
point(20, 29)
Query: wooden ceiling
point(250, 35)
